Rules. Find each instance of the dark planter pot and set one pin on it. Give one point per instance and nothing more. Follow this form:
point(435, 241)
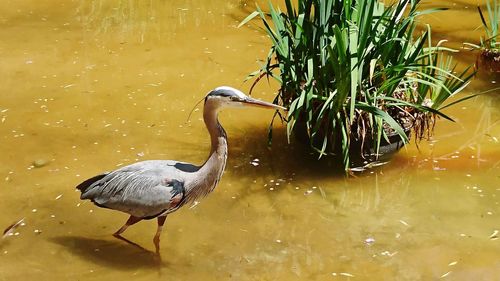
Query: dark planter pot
point(361, 151)
point(489, 60)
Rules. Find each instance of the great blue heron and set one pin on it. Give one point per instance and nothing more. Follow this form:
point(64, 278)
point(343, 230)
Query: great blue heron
point(155, 188)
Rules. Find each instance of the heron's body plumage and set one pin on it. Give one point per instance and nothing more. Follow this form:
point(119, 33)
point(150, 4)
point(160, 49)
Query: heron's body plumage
point(145, 189)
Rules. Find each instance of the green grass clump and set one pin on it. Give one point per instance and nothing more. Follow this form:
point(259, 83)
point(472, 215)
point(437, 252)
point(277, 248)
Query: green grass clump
point(491, 28)
point(356, 71)
point(489, 46)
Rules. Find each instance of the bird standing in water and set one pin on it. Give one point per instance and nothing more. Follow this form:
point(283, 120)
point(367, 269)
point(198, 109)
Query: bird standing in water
point(155, 188)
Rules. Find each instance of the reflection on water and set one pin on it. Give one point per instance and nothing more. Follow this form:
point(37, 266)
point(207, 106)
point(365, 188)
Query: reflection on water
point(91, 85)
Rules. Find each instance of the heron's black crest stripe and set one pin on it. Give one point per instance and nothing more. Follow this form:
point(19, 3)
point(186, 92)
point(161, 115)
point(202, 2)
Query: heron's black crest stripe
point(84, 185)
point(219, 93)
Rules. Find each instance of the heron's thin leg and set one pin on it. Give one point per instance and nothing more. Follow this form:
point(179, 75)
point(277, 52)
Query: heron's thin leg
point(132, 220)
point(156, 240)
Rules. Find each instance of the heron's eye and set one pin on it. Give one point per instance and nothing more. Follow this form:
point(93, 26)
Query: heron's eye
point(234, 98)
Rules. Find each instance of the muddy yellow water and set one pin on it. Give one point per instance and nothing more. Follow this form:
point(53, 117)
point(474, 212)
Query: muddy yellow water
point(88, 86)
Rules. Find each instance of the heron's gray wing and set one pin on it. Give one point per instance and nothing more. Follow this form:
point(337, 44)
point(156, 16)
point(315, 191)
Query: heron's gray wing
point(88, 182)
point(140, 190)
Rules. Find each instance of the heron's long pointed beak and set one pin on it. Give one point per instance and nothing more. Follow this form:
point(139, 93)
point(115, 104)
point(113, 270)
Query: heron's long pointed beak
point(259, 103)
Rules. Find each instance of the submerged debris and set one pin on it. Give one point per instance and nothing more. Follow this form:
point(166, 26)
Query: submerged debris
point(404, 223)
point(446, 274)
point(388, 254)
point(11, 228)
point(38, 163)
point(494, 235)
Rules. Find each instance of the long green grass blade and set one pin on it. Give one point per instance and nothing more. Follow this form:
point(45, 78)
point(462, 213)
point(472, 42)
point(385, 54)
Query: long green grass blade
point(249, 18)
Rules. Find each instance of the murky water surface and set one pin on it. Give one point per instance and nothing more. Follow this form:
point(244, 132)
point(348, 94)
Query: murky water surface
point(88, 86)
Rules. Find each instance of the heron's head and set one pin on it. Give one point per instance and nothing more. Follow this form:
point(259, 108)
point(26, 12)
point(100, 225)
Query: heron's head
point(227, 96)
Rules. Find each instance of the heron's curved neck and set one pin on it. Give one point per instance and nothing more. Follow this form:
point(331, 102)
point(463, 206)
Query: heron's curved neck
point(218, 137)
point(213, 168)
point(207, 176)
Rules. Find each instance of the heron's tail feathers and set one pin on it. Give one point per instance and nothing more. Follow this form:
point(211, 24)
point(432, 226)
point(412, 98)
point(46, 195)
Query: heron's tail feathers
point(87, 183)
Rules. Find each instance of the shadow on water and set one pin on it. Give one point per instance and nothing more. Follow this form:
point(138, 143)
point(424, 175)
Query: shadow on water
point(110, 253)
